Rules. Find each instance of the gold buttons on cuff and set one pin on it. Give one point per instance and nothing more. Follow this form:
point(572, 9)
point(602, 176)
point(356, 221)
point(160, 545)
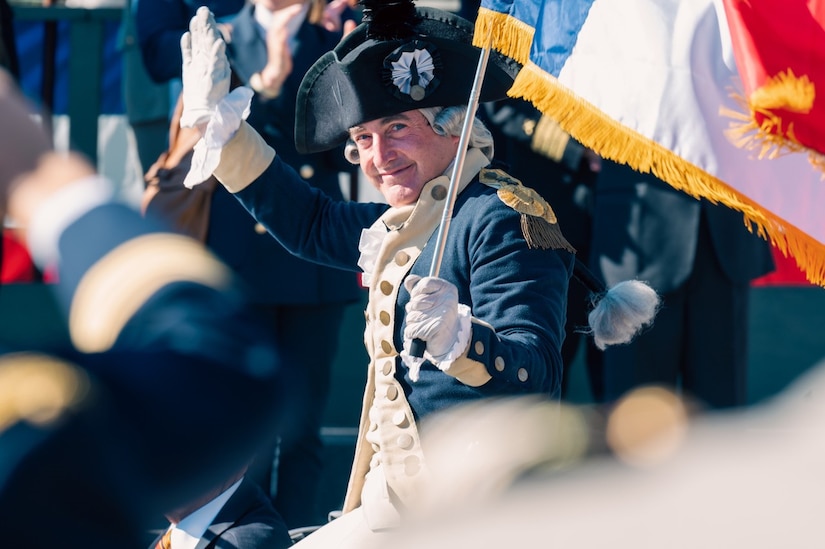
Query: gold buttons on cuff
point(373, 426)
point(384, 317)
point(439, 192)
point(392, 392)
point(522, 374)
point(401, 258)
point(479, 348)
point(386, 369)
point(405, 441)
point(306, 171)
point(386, 346)
point(260, 229)
point(386, 287)
point(412, 465)
point(499, 364)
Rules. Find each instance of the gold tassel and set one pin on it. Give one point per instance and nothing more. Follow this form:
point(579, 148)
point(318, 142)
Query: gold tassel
point(540, 234)
point(510, 36)
point(539, 224)
point(613, 141)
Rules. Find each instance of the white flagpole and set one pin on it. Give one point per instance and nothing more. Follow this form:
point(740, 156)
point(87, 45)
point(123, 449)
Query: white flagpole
point(417, 346)
point(461, 154)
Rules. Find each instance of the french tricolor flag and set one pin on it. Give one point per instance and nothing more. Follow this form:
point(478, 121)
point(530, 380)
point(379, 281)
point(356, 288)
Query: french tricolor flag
point(661, 85)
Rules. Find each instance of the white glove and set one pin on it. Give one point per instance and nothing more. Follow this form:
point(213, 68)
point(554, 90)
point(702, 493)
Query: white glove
point(432, 314)
point(206, 70)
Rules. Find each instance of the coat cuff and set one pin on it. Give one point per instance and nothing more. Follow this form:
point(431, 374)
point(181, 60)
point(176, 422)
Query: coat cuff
point(469, 372)
point(243, 159)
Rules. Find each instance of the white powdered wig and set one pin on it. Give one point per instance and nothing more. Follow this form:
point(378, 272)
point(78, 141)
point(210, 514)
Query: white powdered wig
point(444, 121)
point(623, 312)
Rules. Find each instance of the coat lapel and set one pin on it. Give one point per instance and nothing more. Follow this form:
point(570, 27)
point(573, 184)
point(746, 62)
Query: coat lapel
point(236, 507)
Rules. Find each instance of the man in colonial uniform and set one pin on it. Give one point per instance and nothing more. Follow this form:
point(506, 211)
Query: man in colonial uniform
point(395, 91)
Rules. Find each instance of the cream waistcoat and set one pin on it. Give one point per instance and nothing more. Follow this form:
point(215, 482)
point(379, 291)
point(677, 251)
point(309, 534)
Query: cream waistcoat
point(387, 432)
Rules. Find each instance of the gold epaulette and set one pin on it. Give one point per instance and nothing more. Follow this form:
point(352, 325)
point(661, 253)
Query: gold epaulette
point(539, 223)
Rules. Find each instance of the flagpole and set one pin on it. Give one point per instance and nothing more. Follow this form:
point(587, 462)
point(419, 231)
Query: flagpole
point(417, 346)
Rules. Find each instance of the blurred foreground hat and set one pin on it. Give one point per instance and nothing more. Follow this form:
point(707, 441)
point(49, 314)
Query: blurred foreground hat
point(398, 59)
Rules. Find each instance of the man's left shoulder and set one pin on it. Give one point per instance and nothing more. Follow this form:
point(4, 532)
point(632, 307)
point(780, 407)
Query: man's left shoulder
point(539, 223)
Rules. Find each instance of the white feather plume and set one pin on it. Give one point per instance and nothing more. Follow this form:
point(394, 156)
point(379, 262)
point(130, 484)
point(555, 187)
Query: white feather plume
point(621, 313)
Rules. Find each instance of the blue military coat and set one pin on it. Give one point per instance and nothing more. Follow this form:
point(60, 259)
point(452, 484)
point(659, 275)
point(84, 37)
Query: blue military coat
point(517, 295)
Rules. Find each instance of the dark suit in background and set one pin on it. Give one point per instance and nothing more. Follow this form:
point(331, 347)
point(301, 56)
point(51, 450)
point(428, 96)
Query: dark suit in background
point(168, 383)
point(161, 23)
point(246, 521)
point(112, 437)
point(302, 302)
point(701, 259)
point(147, 103)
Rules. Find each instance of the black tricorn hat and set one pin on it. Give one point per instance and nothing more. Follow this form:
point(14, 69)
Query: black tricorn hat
point(398, 59)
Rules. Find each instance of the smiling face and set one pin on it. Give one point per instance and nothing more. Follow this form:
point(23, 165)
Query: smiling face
point(399, 154)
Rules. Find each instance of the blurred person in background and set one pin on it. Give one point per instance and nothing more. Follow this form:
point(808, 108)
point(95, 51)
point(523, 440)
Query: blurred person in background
point(701, 258)
point(234, 512)
point(147, 103)
point(161, 23)
point(151, 403)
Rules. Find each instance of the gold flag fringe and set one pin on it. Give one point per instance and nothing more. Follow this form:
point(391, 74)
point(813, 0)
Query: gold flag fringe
point(616, 142)
point(510, 36)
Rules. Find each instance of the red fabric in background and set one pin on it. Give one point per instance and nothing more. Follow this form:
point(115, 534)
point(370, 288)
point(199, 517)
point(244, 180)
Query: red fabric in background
point(17, 265)
point(773, 36)
point(786, 273)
